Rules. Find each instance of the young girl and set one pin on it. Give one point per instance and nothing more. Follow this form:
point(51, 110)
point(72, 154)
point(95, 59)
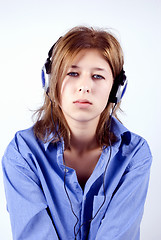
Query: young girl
point(78, 173)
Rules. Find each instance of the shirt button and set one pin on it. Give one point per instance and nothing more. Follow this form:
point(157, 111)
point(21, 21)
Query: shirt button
point(66, 170)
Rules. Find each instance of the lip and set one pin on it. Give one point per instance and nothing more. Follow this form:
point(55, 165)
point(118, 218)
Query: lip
point(83, 101)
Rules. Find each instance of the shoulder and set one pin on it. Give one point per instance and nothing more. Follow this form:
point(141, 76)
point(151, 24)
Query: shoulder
point(22, 138)
point(22, 148)
point(132, 145)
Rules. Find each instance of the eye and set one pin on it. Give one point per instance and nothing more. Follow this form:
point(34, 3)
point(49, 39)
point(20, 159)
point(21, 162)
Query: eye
point(97, 76)
point(73, 74)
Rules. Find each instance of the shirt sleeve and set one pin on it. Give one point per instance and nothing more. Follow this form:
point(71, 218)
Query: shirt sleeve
point(124, 213)
point(26, 202)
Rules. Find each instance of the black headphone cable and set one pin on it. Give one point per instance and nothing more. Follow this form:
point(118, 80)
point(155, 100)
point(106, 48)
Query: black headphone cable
point(65, 170)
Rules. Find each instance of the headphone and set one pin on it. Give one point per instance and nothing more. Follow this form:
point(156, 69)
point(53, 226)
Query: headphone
point(46, 70)
point(117, 91)
point(118, 88)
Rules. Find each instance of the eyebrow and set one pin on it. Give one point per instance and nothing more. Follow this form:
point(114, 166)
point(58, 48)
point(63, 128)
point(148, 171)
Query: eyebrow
point(95, 68)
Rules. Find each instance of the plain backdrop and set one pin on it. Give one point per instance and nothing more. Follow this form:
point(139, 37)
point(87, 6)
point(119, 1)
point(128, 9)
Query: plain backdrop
point(27, 31)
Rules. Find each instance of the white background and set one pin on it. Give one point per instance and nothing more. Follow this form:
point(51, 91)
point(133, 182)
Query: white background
point(27, 31)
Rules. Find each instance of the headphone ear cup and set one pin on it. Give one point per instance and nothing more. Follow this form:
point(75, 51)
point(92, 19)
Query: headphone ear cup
point(121, 91)
point(119, 88)
point(113, 93)
point(46, 69)
point(45, 79)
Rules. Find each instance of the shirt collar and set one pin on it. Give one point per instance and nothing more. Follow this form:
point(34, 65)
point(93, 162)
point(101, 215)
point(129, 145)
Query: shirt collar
point(120, 131)
point(46, 144)
point(50, 139)
point(116, 127)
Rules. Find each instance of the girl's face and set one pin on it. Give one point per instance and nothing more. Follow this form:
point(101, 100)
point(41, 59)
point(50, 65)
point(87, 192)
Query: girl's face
point(85, 89)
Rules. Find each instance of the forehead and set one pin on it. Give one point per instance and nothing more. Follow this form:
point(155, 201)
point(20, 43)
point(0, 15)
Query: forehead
point(88, 54)
point(89, 58)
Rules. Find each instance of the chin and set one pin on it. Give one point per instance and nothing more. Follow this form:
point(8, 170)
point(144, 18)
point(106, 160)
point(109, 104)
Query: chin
point(85, 119)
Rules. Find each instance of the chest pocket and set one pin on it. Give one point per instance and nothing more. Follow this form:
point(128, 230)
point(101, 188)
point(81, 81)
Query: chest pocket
point(97, 203)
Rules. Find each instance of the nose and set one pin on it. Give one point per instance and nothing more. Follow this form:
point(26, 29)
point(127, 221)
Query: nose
point(84, 89)
point(85, 84)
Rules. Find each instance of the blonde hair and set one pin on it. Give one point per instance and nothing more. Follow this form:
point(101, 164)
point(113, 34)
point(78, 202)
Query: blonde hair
point(63, 53)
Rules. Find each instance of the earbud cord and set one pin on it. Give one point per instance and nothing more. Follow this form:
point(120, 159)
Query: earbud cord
point(65, 170)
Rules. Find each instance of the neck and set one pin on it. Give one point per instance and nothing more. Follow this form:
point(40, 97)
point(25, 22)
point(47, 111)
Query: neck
point(83, 136)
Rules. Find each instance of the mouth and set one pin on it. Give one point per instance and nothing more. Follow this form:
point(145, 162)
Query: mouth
point(82, 101)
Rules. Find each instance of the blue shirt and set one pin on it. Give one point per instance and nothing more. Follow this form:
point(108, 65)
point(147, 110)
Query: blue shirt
point(36, 198)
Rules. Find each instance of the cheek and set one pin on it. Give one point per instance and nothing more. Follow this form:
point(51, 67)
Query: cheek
point(65, 93)
point(62, 91)
point(66, 87)
point(105, 92)
point(104, 95)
